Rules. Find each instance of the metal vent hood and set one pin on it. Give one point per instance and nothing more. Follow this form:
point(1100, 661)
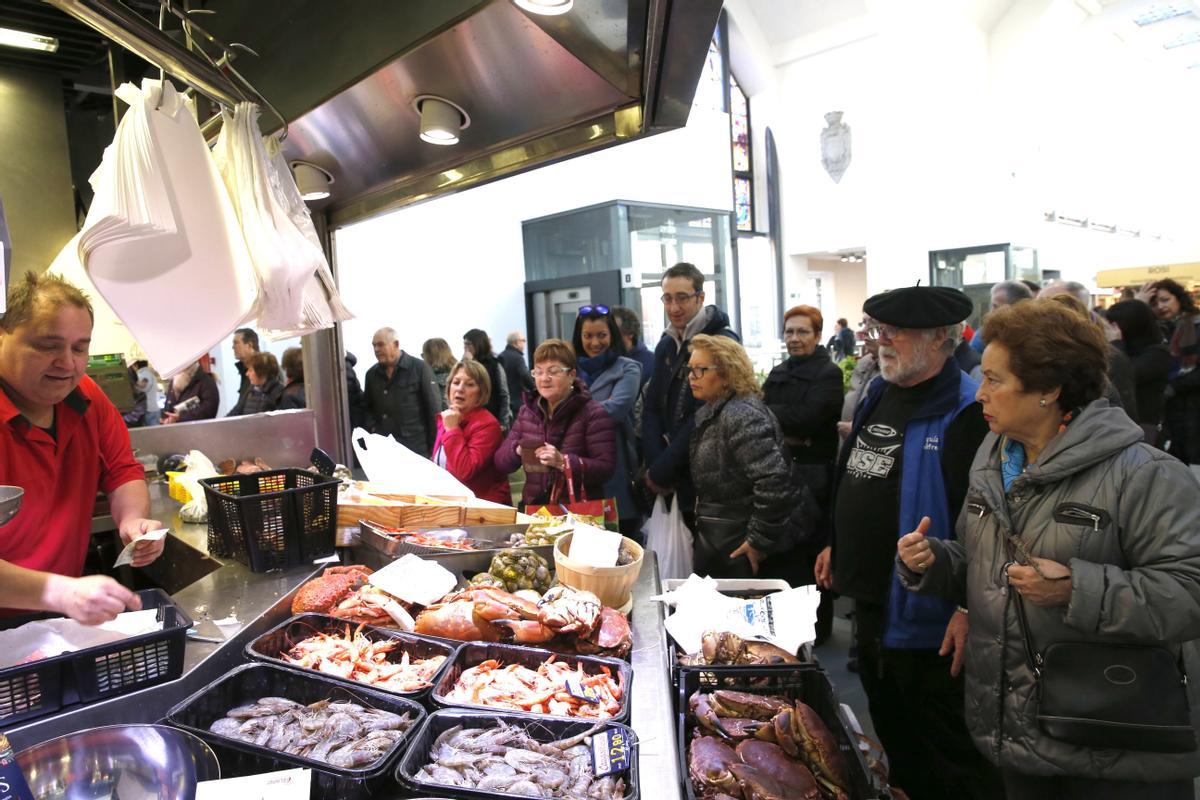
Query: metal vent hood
point(537, 88)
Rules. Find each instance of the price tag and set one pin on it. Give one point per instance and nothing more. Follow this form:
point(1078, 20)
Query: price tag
point(575, 687)
point(610, 752)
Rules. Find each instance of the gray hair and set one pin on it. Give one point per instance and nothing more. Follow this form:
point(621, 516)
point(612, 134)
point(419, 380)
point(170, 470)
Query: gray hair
point(1014, 291)
point(390, 333)
point(1073, 288)
point(513, 337)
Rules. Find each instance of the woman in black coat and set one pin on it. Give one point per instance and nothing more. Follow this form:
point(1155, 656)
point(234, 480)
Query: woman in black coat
point(1143, 342)
point(805, 393)
point(477, 345)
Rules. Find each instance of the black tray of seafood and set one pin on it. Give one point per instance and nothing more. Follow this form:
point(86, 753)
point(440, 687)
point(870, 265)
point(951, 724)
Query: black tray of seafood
point(758, 732)
point(348, 736)
point(474, 754)
point(517, 679)
point(385, 660)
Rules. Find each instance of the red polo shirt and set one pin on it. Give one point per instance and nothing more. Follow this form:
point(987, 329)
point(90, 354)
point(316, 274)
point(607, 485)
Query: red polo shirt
point(61, 477)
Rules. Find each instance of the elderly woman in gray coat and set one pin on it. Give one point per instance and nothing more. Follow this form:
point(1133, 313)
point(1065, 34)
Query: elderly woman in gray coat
point(1095, 535)
point(746, 498)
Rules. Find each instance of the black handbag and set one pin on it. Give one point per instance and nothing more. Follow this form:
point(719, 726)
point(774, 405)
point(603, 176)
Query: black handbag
point(720, 529)
point(1110, 696)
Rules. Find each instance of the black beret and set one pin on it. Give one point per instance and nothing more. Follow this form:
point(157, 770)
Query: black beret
point(919, 307)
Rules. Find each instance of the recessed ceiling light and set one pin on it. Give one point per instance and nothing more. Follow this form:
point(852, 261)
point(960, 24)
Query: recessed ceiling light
point(30, 41)
point(545, 7)
point(312, 181)
point(441, 120)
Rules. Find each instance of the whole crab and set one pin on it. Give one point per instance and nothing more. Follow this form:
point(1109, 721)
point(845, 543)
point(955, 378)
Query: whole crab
point(612, 637)
point(568, 610)
point(468, 615)
point(709, 760)
point(770, 759)
point(324, 593)
point(723, 647)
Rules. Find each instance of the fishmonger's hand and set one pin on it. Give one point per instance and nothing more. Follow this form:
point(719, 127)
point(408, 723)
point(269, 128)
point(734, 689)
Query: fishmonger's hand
point(92, 600)
point(144, 552)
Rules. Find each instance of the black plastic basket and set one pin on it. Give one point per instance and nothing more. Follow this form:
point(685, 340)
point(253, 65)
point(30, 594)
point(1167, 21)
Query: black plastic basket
point(96, 673)
point(271, 520)
point(475, 653)
point(248, 683)
point(543, 729)
point(269, 648)
point(801, 682)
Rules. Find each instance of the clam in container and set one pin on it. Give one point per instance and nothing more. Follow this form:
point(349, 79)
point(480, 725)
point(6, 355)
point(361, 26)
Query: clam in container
point(613, 585)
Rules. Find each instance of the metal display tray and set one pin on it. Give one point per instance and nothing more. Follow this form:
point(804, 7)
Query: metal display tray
point(464, 562)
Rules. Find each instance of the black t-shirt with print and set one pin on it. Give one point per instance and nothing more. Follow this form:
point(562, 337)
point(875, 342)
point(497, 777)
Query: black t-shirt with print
point(868, 498)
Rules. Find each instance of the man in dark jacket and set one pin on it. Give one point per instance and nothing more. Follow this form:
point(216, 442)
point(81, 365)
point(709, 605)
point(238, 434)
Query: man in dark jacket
point(631, 331)
point(245, 345)
point(669, 411)
point(516, 371)
point(354, 394)
point(906, 464)
point(401, 395)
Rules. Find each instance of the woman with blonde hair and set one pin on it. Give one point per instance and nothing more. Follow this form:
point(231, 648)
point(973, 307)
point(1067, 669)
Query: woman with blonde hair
point(468, 434)
point(748, 506)
point(436, 353)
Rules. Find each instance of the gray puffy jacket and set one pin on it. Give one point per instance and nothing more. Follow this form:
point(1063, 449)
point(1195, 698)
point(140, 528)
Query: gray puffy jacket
point(738, 459)
point(1135, 577)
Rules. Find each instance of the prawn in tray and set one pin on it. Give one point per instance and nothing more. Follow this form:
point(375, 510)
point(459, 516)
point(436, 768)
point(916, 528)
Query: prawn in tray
point(526, 680)
point(385, 660)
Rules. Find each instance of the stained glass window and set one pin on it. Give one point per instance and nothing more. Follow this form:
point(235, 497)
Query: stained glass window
point(743, 204)
point(710, 92)
point(739, 119)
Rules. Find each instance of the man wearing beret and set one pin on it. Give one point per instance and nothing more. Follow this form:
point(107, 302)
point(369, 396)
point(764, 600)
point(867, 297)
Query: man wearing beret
point(905, 467)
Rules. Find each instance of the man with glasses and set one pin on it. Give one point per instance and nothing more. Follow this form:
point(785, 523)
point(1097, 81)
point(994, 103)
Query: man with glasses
point(667, 417)
point(905, 467)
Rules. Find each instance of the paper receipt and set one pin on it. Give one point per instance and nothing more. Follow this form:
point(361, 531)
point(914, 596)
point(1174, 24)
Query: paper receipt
point(126, 556)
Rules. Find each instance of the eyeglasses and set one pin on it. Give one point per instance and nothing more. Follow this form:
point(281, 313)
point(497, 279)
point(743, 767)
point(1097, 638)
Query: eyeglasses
point(601, 310)
point(699, 372)
point(678, 299)
point(553, 372)
point(878, 330)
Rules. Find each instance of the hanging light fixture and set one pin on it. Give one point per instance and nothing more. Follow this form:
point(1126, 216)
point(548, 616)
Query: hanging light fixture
point(441, 120)
point(545, 7)
point(29, 41)
point(312, 181)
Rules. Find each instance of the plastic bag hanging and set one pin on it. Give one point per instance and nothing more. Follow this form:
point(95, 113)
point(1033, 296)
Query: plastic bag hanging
point(161, 243)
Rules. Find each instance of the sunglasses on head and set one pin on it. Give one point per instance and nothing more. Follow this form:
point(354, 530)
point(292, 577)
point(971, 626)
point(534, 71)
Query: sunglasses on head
point(597, 309)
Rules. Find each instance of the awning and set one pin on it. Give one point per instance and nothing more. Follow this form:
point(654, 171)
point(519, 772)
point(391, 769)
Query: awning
point(1136, 276)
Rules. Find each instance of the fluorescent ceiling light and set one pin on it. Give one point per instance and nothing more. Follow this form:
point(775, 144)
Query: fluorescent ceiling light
point(1182, 41)
point(546, 7)
point(30, 41)
point(1160, 12)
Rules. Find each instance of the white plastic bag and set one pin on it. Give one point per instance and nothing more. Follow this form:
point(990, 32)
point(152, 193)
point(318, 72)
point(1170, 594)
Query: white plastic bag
point(386, 461)
point(670, 539)
point(196, 467)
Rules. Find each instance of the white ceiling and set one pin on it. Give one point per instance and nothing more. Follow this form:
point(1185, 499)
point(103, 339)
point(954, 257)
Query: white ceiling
point(782, 21)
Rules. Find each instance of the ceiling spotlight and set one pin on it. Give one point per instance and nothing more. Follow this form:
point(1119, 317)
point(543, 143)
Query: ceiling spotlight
point(546, 7)
point(312, 181)
point(30, 41)
point(441, 120)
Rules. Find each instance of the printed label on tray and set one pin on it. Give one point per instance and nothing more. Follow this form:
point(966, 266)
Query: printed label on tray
point(575, 688)
point(610, 752)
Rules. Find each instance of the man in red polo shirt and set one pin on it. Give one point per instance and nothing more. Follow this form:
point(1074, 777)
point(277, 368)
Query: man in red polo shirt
point(62, 440)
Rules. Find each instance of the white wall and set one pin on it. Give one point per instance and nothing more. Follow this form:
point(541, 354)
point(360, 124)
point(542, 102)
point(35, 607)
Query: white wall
point(440, 268)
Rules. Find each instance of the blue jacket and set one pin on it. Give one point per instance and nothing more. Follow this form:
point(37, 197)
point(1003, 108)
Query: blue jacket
point(918, 622)
point(616, 389)
point(642, 354)
point(669, 408)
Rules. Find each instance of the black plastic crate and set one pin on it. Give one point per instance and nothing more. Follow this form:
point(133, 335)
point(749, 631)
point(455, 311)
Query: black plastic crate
point(250, 682)
point(269, 648)
point(801, 682)
point(543, 729)
point(96, 673)
point(272, 520)
point(475, 653)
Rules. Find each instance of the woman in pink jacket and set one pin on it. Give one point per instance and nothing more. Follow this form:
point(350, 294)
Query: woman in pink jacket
point(468, 435)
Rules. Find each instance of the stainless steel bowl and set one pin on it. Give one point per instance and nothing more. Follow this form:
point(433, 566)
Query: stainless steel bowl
point(121, 762)
point(10, 502)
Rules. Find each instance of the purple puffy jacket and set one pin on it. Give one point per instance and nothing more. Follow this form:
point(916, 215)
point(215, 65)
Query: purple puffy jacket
point(580, 428)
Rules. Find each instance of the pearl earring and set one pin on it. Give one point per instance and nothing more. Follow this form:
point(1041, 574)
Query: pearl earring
point(1042, 402)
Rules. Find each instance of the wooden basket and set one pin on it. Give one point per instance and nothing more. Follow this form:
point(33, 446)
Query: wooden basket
point(613, 585)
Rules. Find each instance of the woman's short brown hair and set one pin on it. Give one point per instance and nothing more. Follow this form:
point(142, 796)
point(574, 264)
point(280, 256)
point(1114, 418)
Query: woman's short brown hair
point(476, 372)
point(555, 350)
point(811, 313)
point(1050, 346)
point(264, 365)
point(293, 364)
point(732, 363)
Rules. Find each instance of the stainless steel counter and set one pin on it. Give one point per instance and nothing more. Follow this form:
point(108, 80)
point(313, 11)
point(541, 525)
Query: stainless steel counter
point(261, 601)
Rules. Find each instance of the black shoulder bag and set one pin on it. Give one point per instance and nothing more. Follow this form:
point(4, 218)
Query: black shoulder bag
point(1110, 696)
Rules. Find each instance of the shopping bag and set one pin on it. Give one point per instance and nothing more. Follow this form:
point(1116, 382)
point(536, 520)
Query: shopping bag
point(601, 513)
point(670, 539)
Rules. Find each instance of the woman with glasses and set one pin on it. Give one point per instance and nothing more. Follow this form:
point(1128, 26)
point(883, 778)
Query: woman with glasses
point(468, 435)
point(746, 500)
point(805, 395)
point(1075, 534)
point(615, 383)
point(477, 345)
point(560, 428)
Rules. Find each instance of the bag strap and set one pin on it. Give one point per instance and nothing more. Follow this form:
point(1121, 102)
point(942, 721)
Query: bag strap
point(567, 475)
point(1031, 655)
